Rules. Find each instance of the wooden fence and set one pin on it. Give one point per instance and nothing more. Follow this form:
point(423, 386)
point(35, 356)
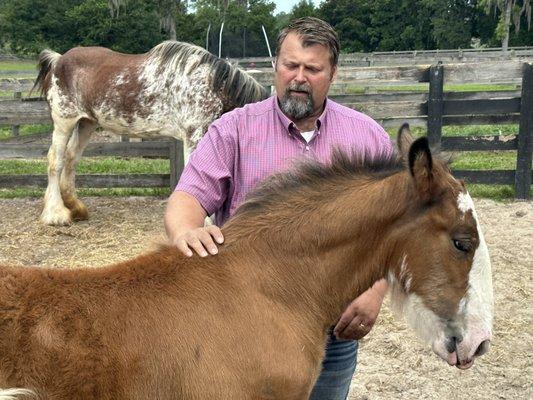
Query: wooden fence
point(434, 109)
point(414, 57)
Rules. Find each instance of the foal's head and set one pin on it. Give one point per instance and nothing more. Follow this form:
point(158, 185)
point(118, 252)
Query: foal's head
point(443, 282)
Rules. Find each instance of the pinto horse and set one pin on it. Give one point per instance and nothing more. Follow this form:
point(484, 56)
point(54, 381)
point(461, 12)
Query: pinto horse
point(252, 321)
point(175, 90)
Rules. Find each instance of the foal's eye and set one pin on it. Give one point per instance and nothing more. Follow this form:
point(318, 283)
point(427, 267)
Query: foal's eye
point(462, 245)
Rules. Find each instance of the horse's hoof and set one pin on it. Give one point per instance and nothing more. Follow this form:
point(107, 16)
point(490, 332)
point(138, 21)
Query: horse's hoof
point(60, 218)
point(78, 211)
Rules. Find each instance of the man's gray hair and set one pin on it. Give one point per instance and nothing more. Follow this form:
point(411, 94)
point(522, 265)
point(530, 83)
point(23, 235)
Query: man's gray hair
point(312, 31)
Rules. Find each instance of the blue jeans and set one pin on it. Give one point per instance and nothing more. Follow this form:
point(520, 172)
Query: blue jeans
point(338, 368)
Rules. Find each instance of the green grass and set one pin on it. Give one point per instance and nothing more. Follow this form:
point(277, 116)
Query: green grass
point(469, 130)
point(424, 87)
point(26, 130)
point(484, 160)
point(93, 165)
point(494, 192)
point(8, 95)
point(86, 192)
point(26, 65)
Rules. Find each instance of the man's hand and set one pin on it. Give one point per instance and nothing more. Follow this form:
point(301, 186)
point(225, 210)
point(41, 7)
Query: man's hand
point(360, 316)
point(201, 240)
point(184, 224)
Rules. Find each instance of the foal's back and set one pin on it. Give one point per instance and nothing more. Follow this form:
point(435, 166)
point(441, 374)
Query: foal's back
point(152, 327)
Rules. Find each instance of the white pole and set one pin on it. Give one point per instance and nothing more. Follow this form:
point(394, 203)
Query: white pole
point(268, 44)
point(220, 41)
point(207, 37)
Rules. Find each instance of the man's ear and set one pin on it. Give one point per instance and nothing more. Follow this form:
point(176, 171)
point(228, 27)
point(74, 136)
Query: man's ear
point(334, 71)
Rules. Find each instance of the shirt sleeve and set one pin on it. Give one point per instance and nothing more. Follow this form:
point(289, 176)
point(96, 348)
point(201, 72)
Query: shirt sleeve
point(385, 146)
point(208, 176)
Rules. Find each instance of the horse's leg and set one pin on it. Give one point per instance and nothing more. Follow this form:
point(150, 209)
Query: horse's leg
point(54, 211)
point(77, 143)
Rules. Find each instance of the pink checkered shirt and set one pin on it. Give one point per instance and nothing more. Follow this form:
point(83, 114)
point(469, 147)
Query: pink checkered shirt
point(246, 145)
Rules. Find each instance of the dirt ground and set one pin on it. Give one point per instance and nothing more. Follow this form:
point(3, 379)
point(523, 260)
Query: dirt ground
point(393, 364)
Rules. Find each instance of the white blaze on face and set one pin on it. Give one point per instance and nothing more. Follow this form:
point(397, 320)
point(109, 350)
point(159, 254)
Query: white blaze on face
point(475, 310)
point(428, 326)
point(477, 307)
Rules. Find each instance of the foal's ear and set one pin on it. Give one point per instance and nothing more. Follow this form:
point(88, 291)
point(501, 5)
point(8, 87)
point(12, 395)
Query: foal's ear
point(404, 140)
point(421, 167)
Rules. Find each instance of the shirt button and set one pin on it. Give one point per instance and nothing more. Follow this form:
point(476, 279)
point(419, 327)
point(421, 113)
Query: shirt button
point(306, 148)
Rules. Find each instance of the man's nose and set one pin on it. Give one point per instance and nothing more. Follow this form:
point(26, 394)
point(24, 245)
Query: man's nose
point(300, 76)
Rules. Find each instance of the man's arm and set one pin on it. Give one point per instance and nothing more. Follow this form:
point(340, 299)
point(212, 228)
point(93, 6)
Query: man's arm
point(184, 224)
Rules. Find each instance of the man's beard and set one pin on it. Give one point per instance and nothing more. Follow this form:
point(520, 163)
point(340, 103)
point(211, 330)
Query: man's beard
point(297, 107)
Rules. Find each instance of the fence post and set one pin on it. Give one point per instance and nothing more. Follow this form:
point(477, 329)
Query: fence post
point(435, 104)
point(525, 136)
point(176, 161)
point(15, 129)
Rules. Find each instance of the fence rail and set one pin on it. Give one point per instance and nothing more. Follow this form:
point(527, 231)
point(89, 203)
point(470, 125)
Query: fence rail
point(434, 109)
point(389, 58)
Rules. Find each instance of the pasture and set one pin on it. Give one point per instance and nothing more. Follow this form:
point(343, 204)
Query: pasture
point(393, 364)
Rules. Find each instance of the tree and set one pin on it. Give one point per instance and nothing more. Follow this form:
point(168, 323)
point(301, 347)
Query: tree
point(242, 35)
point(351, 19)
point(305, 8)
point(134, 30)
point(28, 26)
point(167, 11)
point(453, 23)
point(509, 9)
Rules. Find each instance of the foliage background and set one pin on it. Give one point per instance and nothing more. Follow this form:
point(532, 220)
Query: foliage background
point(134, 26)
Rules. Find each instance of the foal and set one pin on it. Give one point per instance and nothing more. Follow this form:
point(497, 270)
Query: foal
point(174, 90)
point(251, 322)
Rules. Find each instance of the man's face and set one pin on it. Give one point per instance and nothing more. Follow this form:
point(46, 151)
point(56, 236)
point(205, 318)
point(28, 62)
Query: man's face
point(303, 77)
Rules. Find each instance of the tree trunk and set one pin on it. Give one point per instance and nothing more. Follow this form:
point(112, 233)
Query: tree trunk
point(507, 25)
point(172, 29)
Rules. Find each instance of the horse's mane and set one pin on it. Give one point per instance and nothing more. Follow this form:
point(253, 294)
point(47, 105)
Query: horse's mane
point(311, 176)
point(239, 87)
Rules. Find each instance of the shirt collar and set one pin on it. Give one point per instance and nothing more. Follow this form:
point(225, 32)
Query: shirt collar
point(289, 126)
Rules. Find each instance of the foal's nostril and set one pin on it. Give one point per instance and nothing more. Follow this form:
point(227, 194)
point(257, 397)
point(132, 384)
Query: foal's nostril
point(451, 344)
point(482, 348)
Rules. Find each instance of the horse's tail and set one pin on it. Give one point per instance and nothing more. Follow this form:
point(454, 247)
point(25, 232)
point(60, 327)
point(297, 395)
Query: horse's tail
point(47, 61)
point(17, 394)
point(238, 87)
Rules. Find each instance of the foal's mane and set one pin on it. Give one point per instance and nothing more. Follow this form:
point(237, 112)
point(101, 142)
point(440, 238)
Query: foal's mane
point(314, 177)
point(237, 85)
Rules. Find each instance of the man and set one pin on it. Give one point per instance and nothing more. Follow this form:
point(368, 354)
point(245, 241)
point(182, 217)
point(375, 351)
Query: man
point(246, 145)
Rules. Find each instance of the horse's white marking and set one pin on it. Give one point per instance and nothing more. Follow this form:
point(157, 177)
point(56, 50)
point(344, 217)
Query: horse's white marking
point(479, 297)
point(474, 313)
point(177, 91)
point(465, 202)
point(424, 321)
point(405, 275)
point(15, 393)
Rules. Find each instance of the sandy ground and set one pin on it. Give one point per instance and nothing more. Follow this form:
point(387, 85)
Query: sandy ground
point(393, 364)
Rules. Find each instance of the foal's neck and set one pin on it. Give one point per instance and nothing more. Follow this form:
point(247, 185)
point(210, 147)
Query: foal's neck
point(324, 255)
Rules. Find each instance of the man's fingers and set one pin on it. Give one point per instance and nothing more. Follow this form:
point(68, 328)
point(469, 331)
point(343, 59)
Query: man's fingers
point(216, 233)
point(207, 241)
point(342, 324)
point(184, 247)
point(201, 241)
point(197, 246)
